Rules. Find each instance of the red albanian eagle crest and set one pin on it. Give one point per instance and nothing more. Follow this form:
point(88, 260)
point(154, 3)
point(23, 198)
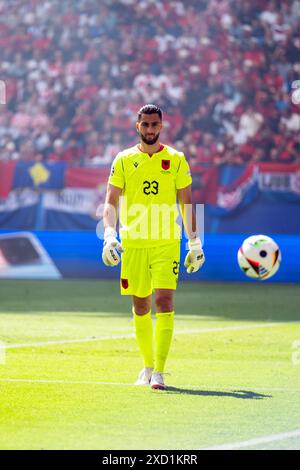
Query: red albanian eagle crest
point(165, 164)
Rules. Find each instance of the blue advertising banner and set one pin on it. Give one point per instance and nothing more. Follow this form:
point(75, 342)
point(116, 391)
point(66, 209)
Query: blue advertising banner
point(55, 255)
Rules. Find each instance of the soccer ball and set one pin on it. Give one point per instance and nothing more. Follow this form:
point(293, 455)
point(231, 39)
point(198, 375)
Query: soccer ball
point(259, 257)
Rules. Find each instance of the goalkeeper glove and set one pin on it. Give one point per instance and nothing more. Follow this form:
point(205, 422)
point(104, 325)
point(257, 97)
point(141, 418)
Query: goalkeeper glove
point(111, 247)
point(195, 257)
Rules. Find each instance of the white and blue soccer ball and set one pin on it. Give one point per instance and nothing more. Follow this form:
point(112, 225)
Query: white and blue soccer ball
point(259, 257)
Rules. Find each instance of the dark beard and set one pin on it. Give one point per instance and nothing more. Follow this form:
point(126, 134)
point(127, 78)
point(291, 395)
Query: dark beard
point(149, 141)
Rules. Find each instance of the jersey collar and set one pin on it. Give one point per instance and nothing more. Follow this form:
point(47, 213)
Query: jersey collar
point(161, 148)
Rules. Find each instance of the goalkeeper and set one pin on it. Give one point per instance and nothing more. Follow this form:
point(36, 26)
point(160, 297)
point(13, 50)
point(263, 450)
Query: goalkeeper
point(150, 177)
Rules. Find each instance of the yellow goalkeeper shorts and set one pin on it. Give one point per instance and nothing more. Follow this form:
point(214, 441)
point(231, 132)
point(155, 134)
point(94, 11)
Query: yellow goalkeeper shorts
point(146, 269)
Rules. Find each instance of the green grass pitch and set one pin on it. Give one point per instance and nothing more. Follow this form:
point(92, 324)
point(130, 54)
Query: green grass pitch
point(70, 362)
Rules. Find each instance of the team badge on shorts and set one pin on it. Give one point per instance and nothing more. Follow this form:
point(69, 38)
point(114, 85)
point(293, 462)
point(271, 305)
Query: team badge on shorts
point(165, 164)
point(124, 283)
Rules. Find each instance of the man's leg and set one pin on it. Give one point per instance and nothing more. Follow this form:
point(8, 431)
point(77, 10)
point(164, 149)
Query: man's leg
point(164, 326)
point(136, 281)
point(143, 328)
point(164, 270)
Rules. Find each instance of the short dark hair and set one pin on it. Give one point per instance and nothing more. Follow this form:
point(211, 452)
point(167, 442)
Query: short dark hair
point(149, 109)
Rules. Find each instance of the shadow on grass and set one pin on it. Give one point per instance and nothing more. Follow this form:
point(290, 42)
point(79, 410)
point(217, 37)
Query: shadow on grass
point(241, 394)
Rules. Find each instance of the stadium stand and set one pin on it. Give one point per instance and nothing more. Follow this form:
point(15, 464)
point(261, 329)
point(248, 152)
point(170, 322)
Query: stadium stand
point(77, 71)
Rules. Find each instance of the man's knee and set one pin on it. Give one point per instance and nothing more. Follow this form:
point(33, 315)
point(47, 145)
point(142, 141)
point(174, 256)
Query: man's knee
point(141, 305)
point(164, 302)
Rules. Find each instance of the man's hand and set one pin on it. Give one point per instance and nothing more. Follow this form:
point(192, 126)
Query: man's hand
point(111, 247)
point(195, 257)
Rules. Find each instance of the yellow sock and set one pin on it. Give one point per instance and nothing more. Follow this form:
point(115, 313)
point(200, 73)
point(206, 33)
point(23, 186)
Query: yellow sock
point(163, 336)
point(144, 336)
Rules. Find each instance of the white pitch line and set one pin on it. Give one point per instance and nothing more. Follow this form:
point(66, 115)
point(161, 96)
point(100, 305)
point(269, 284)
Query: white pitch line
point(233, 389)
point(65, 382)
point(66, 341)
point(130, 336)
point(229, 328)
point(257, 441)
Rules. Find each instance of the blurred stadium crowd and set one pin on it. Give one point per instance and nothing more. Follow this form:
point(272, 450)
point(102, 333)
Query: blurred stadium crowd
point(77, 71)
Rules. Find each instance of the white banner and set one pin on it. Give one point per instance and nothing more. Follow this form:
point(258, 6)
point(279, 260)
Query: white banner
point(19, 199)
point(275, 181)
point(280, 182)
point(296, 183)
point(72, 200)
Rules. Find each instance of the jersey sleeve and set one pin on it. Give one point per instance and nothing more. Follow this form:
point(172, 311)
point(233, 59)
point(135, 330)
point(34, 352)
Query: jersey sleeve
point(183, 177)
point(116, 177)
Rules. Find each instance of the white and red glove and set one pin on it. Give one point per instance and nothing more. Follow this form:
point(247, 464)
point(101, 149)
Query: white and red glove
point(195, 257)
point(111, 248)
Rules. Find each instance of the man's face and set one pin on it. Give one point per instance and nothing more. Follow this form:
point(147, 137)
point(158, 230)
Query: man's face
point(149, 128)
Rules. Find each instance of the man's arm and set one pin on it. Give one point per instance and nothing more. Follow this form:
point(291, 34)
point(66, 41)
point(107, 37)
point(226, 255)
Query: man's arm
point(111, 246)
point(110, 212)
point(195, 257)
point(187, 211)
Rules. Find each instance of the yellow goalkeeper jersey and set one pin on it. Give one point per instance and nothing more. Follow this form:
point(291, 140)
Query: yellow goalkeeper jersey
point(148, 206)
